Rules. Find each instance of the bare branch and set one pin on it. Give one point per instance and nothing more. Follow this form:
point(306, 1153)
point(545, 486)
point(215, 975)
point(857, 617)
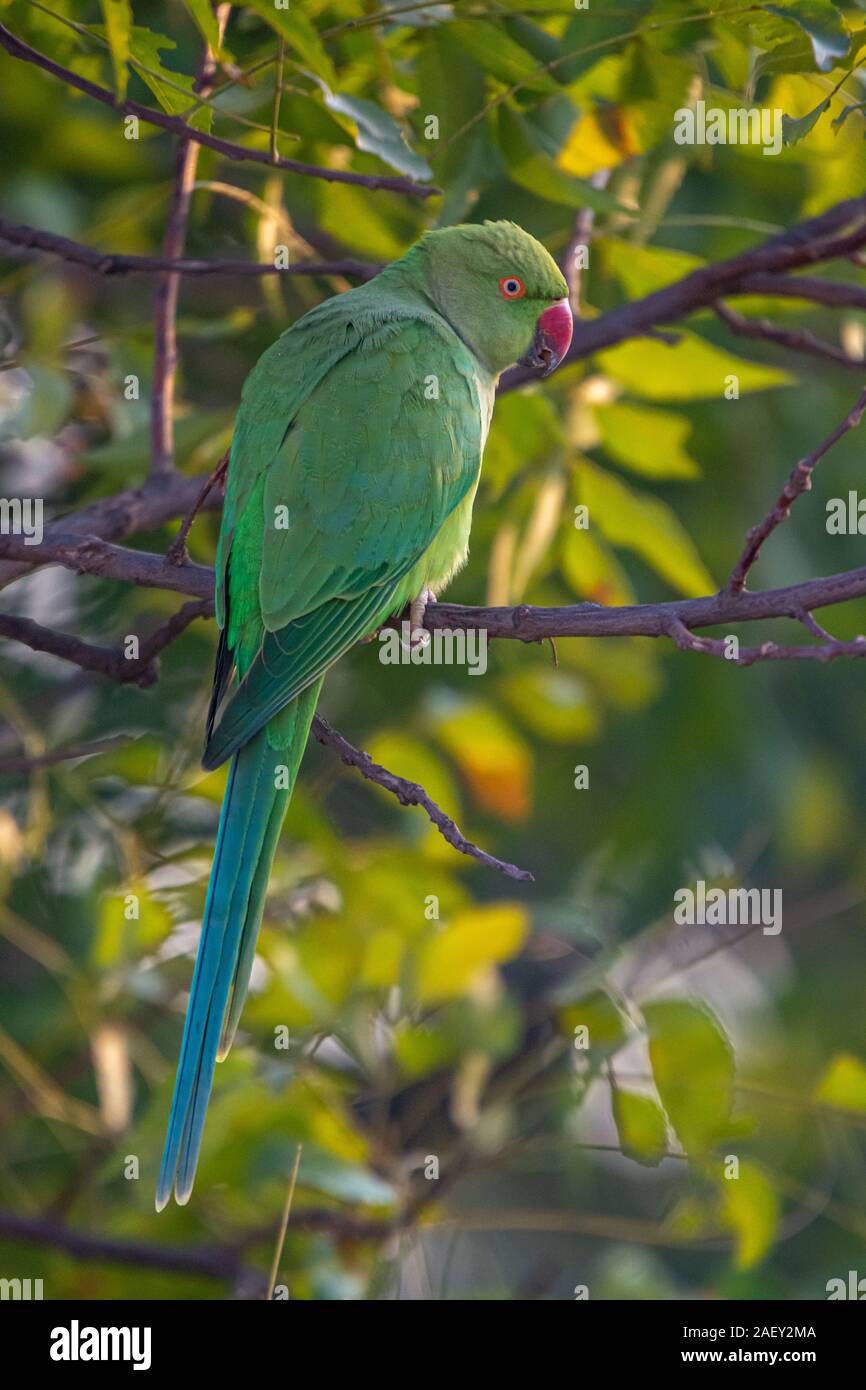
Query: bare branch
point(18, 49)
point(411, 794)
point(829, 292)
point(116, 263)
point(800, 481)
point(145, 508)
point(178, 553)
point(795, 339)
point(767, 651)
point(72, 752)
point(168, 288)
point(106, 661)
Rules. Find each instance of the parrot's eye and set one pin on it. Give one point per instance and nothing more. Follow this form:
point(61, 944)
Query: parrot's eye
point(512, 287)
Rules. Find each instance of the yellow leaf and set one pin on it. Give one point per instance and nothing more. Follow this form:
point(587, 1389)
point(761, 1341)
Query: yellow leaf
point(601, 139)
point(844, 1083)
point(751, 1210)
point(475, 940)
point(495, 762)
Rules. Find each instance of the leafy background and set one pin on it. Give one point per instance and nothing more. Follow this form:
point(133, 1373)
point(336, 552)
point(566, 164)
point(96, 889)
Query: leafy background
point(412, 1036)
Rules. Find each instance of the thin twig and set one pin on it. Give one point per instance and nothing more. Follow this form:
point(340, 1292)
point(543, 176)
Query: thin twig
point(71, 753)
point(177, 553)
point(794, 339)
point(284, 1224)
point(800, 481)
point(111, 662)
point(167, 290)
point(411, 794)
point(278, 92)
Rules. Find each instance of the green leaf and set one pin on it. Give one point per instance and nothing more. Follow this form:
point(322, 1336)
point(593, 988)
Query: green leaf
point(650, 442)
point(795, 128)
point(118, 27)
point(646, 525)
point(299, 32)
point(173, 90)
point(499, 55)
point(751, 1209)
point(690, 369)
point(642, 269)
point(640, 1124)
point(376, 132)
point(593, 1021)
point(534, 168)
point(824, 26)
point(693, 1068)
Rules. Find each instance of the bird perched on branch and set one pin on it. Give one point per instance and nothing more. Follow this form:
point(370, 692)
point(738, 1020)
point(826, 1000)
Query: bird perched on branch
point(354, 465)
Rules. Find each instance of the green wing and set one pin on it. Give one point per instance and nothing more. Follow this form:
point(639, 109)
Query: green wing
point(320, 540)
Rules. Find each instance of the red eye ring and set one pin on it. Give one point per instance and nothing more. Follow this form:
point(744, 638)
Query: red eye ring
point(512, 287)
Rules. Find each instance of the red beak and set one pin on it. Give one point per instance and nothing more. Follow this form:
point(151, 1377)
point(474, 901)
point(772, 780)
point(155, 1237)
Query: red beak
point(552, 338)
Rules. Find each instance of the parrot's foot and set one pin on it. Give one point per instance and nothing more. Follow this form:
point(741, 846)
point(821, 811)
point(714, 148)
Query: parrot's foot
point(419, 637)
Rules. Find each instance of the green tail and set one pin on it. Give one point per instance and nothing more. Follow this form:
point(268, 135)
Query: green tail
point(252, 815)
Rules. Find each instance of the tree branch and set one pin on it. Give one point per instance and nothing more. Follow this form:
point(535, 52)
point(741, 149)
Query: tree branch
point(411, 794)
point(117, 263)
point(18, 49)
point(106, 661)
point(794, 339)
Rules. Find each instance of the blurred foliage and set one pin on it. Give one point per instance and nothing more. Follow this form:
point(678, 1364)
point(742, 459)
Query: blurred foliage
point(583, 1078)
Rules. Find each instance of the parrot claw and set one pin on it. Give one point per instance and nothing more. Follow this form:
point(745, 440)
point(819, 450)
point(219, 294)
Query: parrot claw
point(419, 636)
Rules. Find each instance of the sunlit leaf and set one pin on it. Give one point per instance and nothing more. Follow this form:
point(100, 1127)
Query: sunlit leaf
point(693, 1068)
point(496, 763)
point(534, 168)
point(640, 1125)
point(468, 946)
point(750, 1208)
point(650, 442)
point(593, 1022)
point(646, 525)
point(843, 1084)
point(689, 369)
point(300, 34)
point(118, 27)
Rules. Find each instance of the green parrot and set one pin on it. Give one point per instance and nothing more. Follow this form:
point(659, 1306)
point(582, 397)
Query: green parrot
point(354, 465)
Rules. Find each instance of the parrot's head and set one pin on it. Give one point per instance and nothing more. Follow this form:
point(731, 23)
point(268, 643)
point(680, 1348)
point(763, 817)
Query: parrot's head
point(502, 292)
